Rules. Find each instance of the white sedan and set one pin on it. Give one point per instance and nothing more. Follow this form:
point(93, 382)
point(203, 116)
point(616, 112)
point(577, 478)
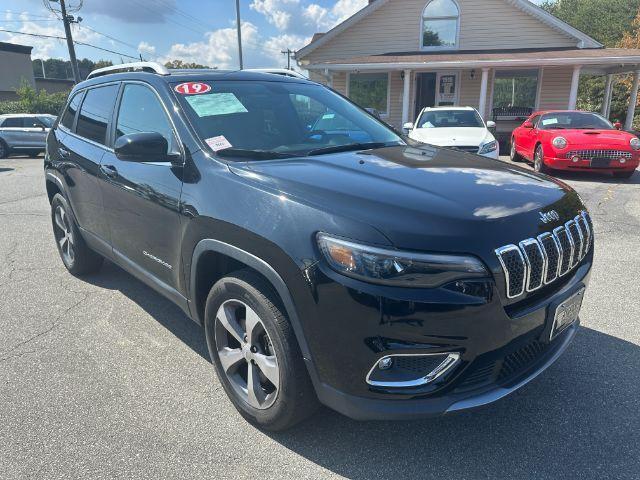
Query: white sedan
point(456, 127)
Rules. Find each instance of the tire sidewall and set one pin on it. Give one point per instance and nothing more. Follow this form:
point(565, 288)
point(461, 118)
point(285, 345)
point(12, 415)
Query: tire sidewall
point(59, 200)
point(541, 168)
point(235, 289)
point(4, 149)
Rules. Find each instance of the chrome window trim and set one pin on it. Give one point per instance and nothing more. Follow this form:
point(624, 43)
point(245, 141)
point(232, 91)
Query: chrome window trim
point(556, 231)
point(522, 245)
point(501, 251)
point(452, 359)
point(541, 239)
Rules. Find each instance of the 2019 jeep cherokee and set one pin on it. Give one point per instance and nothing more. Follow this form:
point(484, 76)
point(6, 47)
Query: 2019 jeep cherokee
point(346, 266)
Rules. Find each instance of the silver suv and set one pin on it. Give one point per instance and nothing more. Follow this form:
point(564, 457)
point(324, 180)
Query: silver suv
point(24, 133)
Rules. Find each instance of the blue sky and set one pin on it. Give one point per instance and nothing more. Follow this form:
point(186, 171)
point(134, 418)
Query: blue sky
point(192, 30)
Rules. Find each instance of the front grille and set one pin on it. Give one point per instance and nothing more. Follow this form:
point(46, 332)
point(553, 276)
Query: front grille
point(600, 154)
point(467, 148)
point(521, 359)
point(539, 261)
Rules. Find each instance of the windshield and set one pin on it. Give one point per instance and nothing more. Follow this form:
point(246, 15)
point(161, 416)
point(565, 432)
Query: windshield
point(450, 119)
point(238, 118)
point(575, 121)
point(47, 121)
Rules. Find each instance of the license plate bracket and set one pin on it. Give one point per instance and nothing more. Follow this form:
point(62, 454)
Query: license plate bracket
point(600, 162)
point(566, 313)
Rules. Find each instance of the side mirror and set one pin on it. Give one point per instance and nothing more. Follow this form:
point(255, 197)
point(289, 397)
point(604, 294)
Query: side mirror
point(40, 126)
point(142, 147)
point(527, 124)
point(408, 126)
point(491, 124)
point(618, 126)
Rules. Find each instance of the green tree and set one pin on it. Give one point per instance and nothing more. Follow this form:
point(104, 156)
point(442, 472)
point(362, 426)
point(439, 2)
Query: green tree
point(31, 100)
point(179, 64)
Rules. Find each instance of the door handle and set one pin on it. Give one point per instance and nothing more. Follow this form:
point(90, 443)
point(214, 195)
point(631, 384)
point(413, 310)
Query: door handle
point(109, 170)
point(63, 153)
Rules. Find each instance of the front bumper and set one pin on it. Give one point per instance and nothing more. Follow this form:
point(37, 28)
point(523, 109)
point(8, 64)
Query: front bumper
point(562, 163)
point(360, 323)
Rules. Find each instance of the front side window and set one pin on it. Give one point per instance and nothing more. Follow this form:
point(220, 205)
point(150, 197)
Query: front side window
point(141, 111)
point(46, 121)
point(440, 20)
point(515, 89)
point(277, 119)
point(69, 114)
point(370, 90)
point(95, 113)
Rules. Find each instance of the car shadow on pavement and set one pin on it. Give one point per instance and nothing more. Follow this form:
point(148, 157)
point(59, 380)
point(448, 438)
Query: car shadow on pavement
point(596, 177)
point(580, 419)
point(162, 310)
point(5, 169)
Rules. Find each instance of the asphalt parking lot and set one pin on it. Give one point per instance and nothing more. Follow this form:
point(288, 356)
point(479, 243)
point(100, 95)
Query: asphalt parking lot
point(103, 378)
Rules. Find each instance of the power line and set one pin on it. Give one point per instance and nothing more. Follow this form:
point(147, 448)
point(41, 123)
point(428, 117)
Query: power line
point(182, 13)
point(110, 37)
point(13, 12)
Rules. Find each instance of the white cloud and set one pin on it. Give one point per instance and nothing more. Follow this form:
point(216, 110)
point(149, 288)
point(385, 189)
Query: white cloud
point(277, 12)
point(146, 48)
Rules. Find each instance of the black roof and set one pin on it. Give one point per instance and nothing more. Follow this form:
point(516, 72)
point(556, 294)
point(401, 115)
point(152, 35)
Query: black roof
point(14, 47)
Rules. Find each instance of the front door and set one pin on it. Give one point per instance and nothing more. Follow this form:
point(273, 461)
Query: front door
point(425, 91)
point(142, 198)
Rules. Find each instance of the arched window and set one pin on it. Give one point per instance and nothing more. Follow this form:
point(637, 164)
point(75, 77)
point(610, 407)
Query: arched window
point(440, 21)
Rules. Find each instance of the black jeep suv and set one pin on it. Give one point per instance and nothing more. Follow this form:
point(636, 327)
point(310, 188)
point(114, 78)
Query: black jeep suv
point(329, 259)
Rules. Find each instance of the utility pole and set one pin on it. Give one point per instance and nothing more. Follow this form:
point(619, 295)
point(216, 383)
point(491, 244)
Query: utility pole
point(67, 19)
point(288, 52)
point(239, 27)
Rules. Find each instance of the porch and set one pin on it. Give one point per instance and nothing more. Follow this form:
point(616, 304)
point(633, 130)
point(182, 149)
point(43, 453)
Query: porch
point(508, 83)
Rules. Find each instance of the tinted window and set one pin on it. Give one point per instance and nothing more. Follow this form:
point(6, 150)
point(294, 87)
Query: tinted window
point(70, 113)
point(46, 121)
point(96, 112)
point(13, 122)
point(141, 111)
point(574, 120)
point(450, 119)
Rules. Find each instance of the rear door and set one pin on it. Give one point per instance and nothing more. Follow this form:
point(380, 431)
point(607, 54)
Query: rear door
point(142, 199)
point(36, 133)
point(81, 151)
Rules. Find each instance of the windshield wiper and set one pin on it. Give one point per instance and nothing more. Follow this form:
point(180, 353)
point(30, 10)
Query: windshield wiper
point(350, 147)
point(253, 154)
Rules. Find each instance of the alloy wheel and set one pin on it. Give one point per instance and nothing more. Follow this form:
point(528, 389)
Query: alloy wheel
point(64, 235)
point(246, 354)
point(513, 150)
point(538, 160)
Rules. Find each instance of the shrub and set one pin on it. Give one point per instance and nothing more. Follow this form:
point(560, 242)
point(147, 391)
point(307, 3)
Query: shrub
point(32, 101)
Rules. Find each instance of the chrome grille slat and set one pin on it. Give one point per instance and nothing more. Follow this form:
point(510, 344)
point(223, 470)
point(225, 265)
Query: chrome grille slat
point(606, 154)
point(536, 262)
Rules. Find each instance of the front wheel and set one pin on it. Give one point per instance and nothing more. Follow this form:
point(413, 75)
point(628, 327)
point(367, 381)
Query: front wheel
point(255, 352)
point(515, 156)
point(538, 161)
point(4, 150)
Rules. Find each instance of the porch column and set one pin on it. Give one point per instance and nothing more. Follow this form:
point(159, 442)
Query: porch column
point(575, 83)
point(628, 125)
point(406, 96)
point(484, 87)
point(608, 91)
point(329, 76)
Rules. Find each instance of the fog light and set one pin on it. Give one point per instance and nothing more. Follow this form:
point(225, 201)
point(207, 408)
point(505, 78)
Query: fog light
point(623, 160)
point(575, 159)
point(385, 363)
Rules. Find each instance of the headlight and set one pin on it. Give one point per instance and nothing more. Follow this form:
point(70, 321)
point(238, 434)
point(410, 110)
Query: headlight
point(635, 143)
point(396, 268)
point(560, 142)
point(488, 147)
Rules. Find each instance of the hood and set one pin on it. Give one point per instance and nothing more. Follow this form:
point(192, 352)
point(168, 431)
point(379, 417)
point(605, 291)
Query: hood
point(424, 197)
point(452, 137)
point(602, 138)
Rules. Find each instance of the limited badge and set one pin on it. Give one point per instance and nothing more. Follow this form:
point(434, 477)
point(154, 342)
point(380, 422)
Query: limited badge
point(192, 88)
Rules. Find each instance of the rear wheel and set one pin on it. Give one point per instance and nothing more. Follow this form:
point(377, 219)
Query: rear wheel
point(515, 156)
point(627, 174)
point(255, 352)
point(77, 257)
point(4, 150)
point(538, 161)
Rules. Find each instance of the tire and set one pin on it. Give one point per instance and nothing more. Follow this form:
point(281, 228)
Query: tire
point(273, 407)
point(77, 257)
point(628, 174)
point(514, 155)
point(4, 149)
point(538, 161)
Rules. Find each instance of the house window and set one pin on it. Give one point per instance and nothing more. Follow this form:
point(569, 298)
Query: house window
point(515, 88)
point(370, 90)
point(440, 20)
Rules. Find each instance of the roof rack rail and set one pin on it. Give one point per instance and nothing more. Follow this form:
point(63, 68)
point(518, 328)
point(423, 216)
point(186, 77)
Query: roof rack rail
point(152, 67)
point(277, 71)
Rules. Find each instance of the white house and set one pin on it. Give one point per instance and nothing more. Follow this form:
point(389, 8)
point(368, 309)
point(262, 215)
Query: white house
point(503, 57)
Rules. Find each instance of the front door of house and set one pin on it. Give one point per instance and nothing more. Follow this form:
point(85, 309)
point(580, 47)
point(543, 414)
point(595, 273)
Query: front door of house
point(425, 91)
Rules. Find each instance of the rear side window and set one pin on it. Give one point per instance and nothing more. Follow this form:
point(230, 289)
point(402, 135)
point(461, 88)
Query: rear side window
point(141, 111)
point(70, 113)
point(13, 122)
point(95, 113)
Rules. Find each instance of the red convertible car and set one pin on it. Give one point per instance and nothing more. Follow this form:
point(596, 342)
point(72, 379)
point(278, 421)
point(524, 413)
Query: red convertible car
point(573, 140)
